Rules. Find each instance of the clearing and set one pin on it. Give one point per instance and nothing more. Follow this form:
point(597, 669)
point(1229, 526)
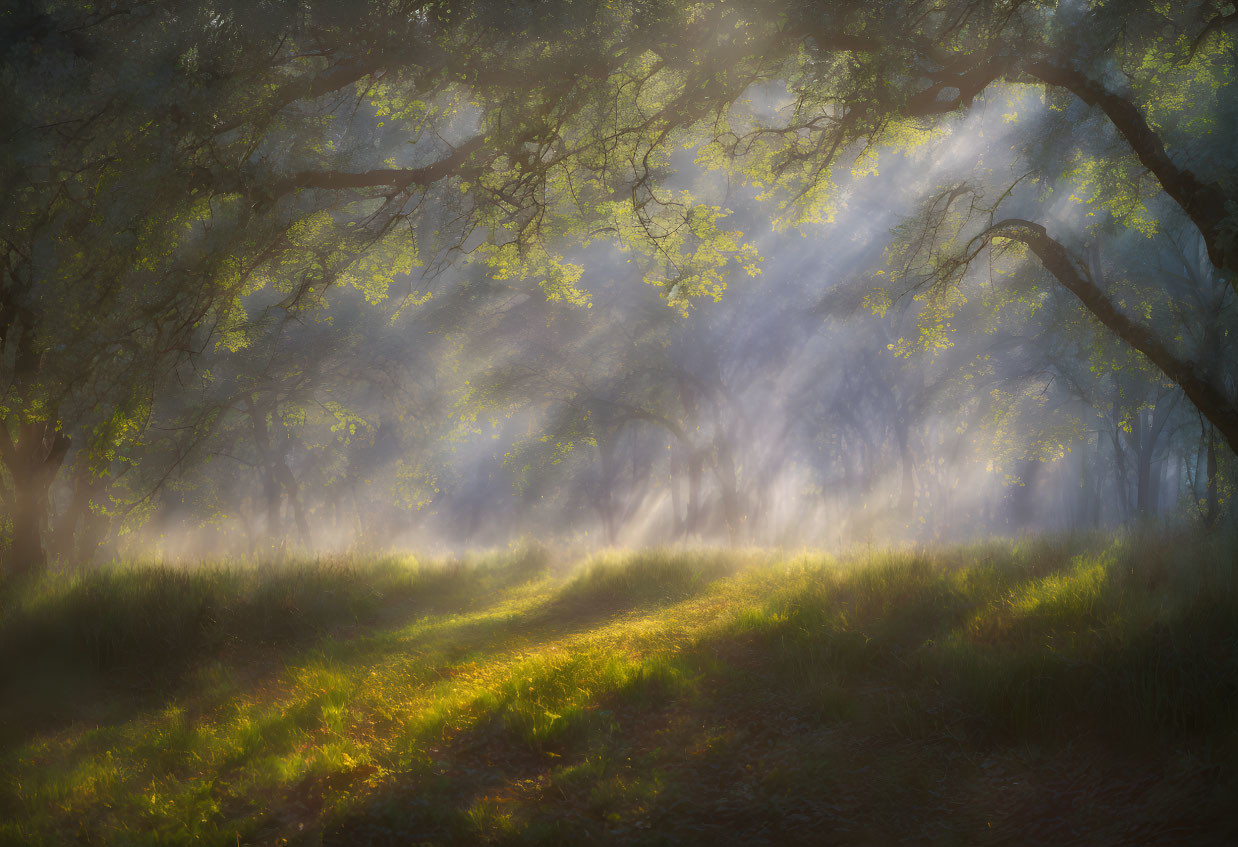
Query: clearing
point(1044, 691)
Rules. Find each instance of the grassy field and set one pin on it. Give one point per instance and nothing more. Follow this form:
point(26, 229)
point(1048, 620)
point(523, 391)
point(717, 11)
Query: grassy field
point(1065, 690)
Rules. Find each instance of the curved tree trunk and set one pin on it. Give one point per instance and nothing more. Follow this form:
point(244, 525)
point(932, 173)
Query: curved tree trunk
point(1203, 202)
point(1191, 377)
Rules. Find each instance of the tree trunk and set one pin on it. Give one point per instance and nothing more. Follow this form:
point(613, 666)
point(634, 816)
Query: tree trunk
point(33, 460)
point(676, 512)
point(907, 489)
point(27, 551)
point(728, 484)
point(293, 488)
point(693, 519)
point(1194, 379)
point(1153, 424)
point(1141, 434)
point(1214, 504)
point(1121, 486)
point(286, 479)
point(266, 468)
point(1023, 501)
point(603, 497)
point(79, 531)
point(1096, 512)
point(251, 540)
point(1085, 516)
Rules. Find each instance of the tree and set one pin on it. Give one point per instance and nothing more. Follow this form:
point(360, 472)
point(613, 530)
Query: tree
point(176, 172)
point(863, 76)
point(168, 160)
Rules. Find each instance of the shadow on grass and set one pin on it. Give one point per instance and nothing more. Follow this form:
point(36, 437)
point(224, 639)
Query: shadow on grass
point(603, 590)
point(1039, 695)
point(947, 698)
point(1116, 642)
point(285, 731)
point(135, 634)
point(613, 582)
point(534, 735)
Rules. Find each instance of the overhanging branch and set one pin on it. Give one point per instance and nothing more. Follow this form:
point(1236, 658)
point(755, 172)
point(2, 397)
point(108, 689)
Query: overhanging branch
point(1204, 203)
point(396, 178)
point(1211, 401)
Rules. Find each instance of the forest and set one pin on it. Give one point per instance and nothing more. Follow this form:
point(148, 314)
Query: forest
point(618, 421)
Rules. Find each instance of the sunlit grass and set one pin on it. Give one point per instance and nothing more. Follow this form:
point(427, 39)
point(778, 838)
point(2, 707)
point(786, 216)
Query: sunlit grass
point(449, 701)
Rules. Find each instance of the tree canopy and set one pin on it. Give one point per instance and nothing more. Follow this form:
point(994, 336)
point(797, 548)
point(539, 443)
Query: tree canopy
point(188, 184)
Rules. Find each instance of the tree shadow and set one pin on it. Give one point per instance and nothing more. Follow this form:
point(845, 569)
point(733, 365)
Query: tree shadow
point(836, 718)
point(110, 645)
point(158, 730)
point(839, 707)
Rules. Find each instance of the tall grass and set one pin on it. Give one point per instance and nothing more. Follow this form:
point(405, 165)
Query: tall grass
point(499, 699)
point(145, 624)
point(1046, 637)
point(615, 580)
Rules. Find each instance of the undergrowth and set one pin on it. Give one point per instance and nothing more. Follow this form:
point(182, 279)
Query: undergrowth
point(627, 698)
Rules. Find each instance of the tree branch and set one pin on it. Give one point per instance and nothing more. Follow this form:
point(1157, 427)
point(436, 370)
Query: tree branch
point(398, 178)
point(339, 76)
point(968, 83)
point(1204, 203)
point(1211, 401)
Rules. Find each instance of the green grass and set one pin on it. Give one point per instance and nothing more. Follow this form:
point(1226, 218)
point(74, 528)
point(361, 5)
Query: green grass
point(1032, 692)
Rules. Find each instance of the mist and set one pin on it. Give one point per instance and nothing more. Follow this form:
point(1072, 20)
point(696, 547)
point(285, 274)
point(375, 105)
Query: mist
point(466, 422)
point(800, 408)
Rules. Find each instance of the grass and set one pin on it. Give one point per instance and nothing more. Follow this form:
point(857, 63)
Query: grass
point(1069, 688)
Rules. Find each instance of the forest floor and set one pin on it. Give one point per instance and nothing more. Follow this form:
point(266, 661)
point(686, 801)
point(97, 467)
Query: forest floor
point(1078, 689)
